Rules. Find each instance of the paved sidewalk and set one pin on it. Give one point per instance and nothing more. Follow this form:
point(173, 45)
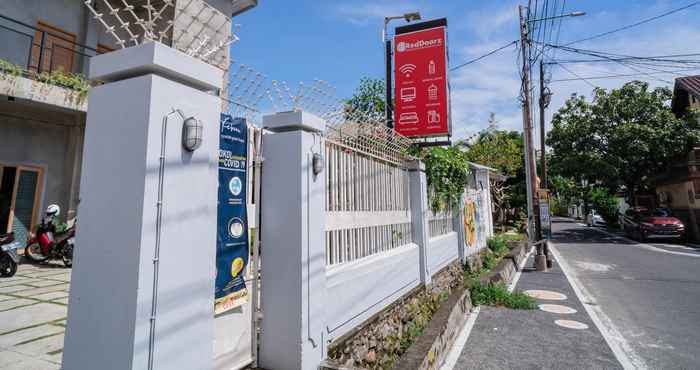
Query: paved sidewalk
point(530, 339)
point(33, 310)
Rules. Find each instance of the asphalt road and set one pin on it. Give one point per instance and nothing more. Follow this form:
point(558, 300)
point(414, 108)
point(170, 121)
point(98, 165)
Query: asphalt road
point(647, 295)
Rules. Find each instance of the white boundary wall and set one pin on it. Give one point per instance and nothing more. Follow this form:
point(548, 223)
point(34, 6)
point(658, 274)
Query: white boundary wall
point(340, 246)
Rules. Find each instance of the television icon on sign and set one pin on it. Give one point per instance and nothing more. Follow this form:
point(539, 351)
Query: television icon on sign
point(408, 118)
point(408, 94)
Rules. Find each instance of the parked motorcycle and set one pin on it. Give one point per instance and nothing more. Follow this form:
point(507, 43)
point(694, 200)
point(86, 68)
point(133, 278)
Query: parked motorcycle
point(47, 245)
point(8, 254)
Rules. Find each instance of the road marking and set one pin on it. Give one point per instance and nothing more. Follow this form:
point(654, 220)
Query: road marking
point(571, 324)
point(592, 266)
point(650, 247)
point(461, 341)
point(623, 351)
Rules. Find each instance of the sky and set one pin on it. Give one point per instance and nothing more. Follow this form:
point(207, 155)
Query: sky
point(340, 42)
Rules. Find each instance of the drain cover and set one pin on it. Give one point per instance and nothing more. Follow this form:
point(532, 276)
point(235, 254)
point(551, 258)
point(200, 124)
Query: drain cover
point(545, 294)
point(556, 308)
point(571, 324)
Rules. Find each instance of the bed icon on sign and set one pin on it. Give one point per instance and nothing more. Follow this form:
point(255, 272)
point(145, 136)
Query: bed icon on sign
point(408, 118)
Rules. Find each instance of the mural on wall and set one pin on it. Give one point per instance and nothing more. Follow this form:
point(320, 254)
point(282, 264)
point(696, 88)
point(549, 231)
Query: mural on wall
point(475, 219)
point(470, 222)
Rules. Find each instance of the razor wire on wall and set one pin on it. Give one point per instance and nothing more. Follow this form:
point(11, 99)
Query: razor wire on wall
point(191, 26)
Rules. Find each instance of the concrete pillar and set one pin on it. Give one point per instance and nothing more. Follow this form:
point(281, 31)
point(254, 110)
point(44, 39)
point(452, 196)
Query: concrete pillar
point(74, 154)
point(293, 244)
point(142, 291)
point(419, 216)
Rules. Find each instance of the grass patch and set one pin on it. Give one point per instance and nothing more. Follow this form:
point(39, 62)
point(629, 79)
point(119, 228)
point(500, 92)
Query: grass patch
point(496, 294)
point(499, 296)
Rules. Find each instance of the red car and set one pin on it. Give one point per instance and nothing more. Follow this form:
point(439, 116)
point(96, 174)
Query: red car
point(642, 224)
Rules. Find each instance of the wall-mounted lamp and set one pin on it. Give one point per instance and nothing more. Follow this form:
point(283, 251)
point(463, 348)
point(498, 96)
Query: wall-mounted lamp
point(318, 164)
point(192, 130)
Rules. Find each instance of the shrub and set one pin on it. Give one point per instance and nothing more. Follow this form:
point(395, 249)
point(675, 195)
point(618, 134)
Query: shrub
point(498, 243)
point(498, 295)
point(606, 205)
point(67, 80)
point(489, 260)
point(10, 69)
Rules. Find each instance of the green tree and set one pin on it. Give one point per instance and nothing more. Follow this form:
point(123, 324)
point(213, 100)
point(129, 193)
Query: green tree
point(369, 97)
point(502, 150)
point(620, 138)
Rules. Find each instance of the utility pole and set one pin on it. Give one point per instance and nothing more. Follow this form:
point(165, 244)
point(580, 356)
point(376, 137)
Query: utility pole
point(544, 96)
point(530, 168)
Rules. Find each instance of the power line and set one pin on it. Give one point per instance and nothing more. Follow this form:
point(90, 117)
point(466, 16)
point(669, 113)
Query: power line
point(604, 55)
point(613, 76)
point(485, 55)
point(655, 58)
point(635, 24)
point(579, 77)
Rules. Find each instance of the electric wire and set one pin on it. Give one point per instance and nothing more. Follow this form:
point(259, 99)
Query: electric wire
point(484, 56)
point(616, 75)
point(579, 77)
point(623, 28)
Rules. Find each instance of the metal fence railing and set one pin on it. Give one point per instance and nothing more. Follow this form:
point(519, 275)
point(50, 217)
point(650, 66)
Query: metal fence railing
point(42, 48)
point(367, 199)
point(440, 222)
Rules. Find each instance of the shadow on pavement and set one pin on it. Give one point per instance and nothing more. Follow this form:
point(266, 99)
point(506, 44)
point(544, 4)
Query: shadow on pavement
point(588, 235)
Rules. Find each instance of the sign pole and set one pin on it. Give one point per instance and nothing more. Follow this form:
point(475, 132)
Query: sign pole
point(389, 100)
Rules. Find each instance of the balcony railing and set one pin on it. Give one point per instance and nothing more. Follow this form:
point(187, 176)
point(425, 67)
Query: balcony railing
point(42, 48)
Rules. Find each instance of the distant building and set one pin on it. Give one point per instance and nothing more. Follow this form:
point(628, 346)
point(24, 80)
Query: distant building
point(678, 188)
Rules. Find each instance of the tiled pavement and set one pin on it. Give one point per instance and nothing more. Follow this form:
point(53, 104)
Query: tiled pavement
point(33, 310)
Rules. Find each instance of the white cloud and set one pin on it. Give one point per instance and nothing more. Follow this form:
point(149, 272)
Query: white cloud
point(492, 85)
point(486, 22)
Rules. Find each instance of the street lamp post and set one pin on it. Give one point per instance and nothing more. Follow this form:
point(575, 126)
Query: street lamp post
point(388, 107)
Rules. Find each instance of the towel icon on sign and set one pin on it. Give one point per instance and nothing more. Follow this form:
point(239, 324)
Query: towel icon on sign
point(433, 116)
point(431, 68)
point(432, 92)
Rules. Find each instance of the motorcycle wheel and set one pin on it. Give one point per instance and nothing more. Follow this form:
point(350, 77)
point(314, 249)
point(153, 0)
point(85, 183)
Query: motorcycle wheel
point(68, 256)
point(8, 267)
point(33, 253)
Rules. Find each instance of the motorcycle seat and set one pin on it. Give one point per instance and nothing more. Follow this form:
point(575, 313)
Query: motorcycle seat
point(6, 237)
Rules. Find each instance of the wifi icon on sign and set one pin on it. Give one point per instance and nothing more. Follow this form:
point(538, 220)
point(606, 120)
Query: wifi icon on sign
point(407, 69)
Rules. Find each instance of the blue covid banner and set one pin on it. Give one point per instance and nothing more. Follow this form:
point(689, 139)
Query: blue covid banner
point(232, 226)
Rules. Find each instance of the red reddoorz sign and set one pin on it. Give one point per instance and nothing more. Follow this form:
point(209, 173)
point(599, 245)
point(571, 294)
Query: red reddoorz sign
point(421, 95)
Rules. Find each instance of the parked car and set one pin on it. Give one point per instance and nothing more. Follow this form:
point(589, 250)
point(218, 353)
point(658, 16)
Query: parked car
point(594, 219)
point(643, 224)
